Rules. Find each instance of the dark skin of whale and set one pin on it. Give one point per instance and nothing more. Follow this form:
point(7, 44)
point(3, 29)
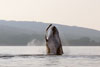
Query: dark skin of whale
point(53, 42)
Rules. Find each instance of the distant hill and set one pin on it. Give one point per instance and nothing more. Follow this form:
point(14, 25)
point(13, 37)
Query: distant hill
point(32, 32)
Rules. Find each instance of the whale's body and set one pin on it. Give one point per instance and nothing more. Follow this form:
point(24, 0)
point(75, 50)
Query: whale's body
point(53, 41)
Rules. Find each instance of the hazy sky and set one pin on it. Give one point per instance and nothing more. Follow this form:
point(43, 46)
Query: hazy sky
point(84, 13)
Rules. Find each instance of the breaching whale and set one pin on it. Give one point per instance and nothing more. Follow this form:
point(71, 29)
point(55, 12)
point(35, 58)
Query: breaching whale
point(53, 42)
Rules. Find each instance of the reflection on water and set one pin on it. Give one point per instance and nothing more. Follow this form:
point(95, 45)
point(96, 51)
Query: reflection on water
point(36, 57)
point(52, 61)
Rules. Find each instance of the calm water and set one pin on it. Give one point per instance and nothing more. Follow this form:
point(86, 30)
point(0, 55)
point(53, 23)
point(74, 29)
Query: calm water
point(33, 56)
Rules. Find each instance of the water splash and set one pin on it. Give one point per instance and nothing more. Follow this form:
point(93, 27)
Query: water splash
point(35, 42)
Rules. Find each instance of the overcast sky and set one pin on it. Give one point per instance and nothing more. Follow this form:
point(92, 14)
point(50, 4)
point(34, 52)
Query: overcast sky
point(83, 13)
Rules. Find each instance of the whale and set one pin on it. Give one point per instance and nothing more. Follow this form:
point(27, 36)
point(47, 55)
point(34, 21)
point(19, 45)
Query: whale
point(53, 41)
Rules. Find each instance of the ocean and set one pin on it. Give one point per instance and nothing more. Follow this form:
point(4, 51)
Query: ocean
point(35, 56)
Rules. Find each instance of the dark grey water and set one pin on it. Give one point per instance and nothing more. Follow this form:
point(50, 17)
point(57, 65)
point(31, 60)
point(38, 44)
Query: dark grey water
point(33, 56)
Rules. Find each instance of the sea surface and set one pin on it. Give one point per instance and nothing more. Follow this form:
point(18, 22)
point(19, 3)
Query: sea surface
point(35, 56)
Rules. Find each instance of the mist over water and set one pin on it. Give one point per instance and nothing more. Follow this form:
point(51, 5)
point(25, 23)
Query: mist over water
point(36, 42)
point(35, 56)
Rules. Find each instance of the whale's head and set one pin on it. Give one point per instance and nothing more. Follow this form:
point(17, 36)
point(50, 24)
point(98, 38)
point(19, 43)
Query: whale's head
point(54, 45)
point(52, 31)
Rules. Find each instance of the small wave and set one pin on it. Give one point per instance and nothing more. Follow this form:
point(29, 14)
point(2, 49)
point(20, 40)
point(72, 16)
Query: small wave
point(45, 55)
point(82, 56)
point(20, 55)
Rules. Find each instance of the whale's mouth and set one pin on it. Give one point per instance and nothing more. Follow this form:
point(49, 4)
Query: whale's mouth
point(49, 31)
